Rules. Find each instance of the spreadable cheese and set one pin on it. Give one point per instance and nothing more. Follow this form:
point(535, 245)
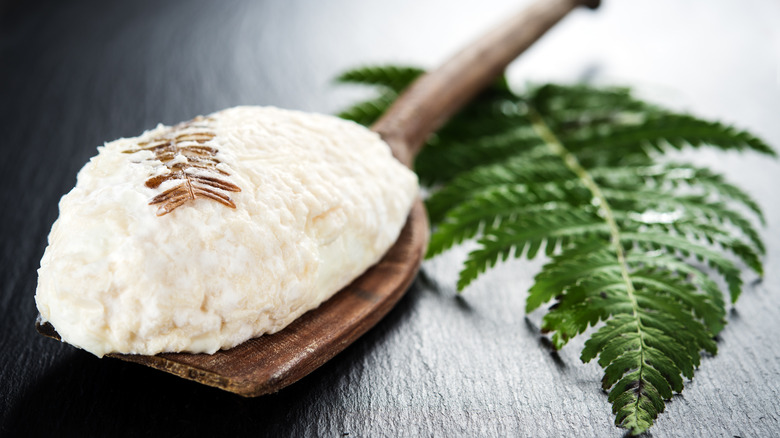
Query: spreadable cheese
point(199, 236)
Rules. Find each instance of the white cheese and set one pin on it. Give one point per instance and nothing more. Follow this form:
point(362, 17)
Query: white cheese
point(321, 200)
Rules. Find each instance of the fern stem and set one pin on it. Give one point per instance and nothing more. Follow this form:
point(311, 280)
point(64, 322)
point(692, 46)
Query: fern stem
point(573, 164)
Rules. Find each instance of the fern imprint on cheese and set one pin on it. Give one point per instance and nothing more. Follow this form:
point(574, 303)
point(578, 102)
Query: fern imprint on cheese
point(188, 152)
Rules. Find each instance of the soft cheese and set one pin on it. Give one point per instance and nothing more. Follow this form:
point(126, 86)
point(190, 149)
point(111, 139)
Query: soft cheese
point(320, 201)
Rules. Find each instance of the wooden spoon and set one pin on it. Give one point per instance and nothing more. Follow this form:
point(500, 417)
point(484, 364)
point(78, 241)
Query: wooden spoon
point(269, 363)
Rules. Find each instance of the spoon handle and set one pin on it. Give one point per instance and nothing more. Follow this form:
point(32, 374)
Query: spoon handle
point(437, 95)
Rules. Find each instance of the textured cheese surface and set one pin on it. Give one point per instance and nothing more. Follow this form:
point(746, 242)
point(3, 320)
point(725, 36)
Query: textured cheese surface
point(321, 200)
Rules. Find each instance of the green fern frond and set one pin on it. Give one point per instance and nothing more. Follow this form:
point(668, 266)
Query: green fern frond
point(659, 131)
point(676, 175)
point(435, 166)
point(394, 78)
point(369, 111)
point(696, 277)
point(586, 260)
point(579, 102)
point(525, 236)
point(652, 241)
point(535, 167)
point(637, 246)
point(487, 209)
point(661, 207)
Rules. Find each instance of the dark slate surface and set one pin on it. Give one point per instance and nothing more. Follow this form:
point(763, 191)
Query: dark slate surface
point(76, 74)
